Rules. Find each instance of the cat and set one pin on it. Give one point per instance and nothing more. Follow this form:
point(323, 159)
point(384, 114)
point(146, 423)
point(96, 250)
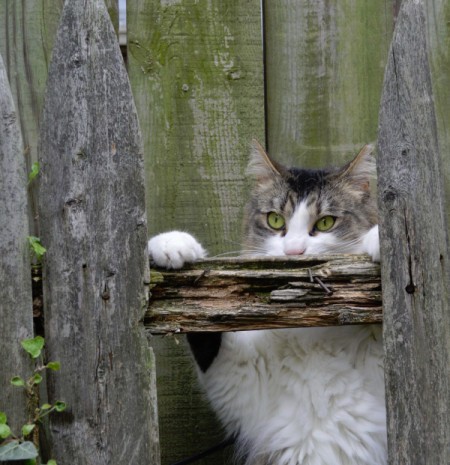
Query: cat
point(306, 396)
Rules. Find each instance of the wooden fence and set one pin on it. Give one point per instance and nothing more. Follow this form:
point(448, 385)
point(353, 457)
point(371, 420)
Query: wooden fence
point(207, 77)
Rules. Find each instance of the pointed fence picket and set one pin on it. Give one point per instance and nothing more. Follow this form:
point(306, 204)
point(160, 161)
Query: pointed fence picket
point(93, 223)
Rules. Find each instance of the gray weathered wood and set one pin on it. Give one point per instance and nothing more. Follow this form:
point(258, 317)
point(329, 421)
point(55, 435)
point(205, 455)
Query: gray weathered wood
point(94, 226)
point(415, 255)
point(265, 293)
point(15, 290)
point(27, 33)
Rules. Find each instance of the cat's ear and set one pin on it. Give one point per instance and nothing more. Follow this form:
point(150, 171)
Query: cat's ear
point(361, 170)
point(261, 166)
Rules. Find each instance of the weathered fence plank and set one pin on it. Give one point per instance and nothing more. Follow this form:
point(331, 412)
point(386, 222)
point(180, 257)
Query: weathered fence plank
point(27, 32)
point(267, 293)
point(324, 70)
point(93, 224)
point(415, 255)
point(15, 290)
point(199, 66)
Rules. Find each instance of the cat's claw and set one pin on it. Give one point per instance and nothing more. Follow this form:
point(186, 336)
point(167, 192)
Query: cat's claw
point(173, 249)
point(371, 244)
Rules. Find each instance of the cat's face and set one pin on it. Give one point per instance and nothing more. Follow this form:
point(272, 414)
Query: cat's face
point(296, 211)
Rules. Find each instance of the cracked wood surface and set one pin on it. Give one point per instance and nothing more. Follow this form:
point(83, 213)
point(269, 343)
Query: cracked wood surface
point(261, 293)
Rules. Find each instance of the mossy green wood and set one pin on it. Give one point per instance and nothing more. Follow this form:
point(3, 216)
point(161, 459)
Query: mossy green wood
point(325, 66)
point(113, 10)
point(197, 72)
point(27, 33)
point(438, 35)
point(196, 69)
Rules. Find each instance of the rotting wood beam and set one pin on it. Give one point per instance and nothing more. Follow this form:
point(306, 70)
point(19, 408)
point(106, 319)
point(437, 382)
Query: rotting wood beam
point(265, 293)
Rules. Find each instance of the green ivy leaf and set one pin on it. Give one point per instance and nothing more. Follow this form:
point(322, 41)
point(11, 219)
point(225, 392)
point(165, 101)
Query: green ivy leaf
point(3, 418)
point(60, 406)
point(27, 429)
point(46, 407)
point(17, 381)
point(34, 346)
point(36, 379)
point(18, 451)
point(34, 171)
point(36, 247)
point(55, 366)
point(5, 431)
point(51, 462)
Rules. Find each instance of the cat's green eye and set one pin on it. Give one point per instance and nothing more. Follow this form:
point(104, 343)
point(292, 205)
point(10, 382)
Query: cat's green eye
point(275, 221)
point(325, 223)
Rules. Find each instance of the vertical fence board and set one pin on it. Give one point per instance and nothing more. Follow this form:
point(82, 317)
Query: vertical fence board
point(198, 65)
point(196, 69)
point(27, 31)
point(415, 259)
point(15, 291)
point(325, 65)
point(93, 224)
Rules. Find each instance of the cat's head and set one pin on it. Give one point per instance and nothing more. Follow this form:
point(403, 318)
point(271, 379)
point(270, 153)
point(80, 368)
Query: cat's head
point(296, 211)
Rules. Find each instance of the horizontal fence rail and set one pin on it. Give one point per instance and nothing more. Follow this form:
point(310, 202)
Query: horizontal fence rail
point(261, 293)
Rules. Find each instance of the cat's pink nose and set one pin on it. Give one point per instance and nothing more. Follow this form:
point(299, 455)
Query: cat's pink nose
point(294, 251)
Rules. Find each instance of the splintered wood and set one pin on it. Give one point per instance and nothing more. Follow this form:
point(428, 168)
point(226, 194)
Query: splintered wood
point(265, 293)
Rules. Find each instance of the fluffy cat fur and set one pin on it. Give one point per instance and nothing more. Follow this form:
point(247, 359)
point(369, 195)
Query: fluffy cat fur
point(307, 396)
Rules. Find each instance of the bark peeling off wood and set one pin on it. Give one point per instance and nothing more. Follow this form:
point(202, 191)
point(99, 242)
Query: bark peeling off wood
point(262, 293)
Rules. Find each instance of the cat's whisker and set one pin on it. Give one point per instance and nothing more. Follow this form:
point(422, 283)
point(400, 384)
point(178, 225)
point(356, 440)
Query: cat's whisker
point(225, 254)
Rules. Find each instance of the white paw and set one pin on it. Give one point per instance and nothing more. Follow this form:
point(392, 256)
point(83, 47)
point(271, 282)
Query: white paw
point(371, 244)
point(173, 249)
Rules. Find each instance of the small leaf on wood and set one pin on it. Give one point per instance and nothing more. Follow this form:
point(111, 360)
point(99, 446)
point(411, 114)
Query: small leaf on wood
point(17, 381)
point(36, 247)
point(34, 171)
point(18, 451)
point(27, 429)
point(34, 346)
point(60, 406)
point(3, 418)
point(55, 366)
point(5, 431)
point(36, 379)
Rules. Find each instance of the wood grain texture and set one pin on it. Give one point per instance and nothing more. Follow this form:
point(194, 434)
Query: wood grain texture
point(196, 69)
point(15, 291)
point(199, 66)
point(93, 224)
point(269, 293)
point(324, 70)
point(415, 254)
point(27, 34)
